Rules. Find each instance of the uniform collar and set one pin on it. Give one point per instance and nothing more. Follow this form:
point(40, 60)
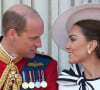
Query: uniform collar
point(5, 56)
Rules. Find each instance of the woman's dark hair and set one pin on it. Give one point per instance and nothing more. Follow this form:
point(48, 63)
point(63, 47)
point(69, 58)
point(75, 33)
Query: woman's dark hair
point(91, 30)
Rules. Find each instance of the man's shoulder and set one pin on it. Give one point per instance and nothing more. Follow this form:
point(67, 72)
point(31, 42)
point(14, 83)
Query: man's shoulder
point(44, 56)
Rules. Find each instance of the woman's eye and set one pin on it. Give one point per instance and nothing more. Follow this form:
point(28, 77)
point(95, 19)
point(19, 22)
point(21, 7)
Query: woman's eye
point(73, 39)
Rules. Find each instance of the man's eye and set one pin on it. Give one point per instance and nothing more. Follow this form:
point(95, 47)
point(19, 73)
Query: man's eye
point(32, 39)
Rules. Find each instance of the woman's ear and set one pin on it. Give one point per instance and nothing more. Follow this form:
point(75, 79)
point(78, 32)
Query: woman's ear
point(92, 45)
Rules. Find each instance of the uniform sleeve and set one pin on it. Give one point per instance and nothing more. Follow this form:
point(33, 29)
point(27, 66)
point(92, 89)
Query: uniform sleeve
point(51, 75)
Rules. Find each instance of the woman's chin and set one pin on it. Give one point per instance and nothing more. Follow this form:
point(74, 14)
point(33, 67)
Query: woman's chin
point(71, 61)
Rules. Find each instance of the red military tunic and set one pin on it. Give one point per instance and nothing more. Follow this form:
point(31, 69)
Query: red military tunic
point(50, 73)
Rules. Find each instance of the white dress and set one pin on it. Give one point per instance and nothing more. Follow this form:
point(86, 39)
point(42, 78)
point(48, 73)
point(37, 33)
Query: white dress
point(74, 80)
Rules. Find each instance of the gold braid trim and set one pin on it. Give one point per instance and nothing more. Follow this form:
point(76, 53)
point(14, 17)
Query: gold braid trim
point(14, 87)
point(4, 75)
point(7, 84)
point(11, 77)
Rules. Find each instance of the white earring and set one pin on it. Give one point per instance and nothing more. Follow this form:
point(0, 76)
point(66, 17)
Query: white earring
point(89, 51)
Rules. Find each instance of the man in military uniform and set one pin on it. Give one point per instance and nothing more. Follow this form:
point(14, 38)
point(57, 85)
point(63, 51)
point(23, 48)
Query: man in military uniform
point(19, 67)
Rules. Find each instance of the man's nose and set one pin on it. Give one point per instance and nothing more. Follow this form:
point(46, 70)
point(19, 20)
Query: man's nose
point(38, 43)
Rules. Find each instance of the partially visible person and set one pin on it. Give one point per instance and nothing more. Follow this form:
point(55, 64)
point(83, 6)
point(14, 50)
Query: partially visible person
point(19, 67)
point(80, 36)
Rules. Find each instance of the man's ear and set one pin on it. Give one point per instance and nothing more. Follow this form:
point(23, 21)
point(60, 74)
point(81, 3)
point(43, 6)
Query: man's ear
point(92, 45)
point(12, 34)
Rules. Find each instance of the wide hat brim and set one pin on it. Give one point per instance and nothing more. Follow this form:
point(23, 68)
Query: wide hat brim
point(65, 21)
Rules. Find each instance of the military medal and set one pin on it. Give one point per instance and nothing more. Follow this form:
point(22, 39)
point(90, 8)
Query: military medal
point(43, 83)
point(25, 85)
point(37, 83)
point(31, 84)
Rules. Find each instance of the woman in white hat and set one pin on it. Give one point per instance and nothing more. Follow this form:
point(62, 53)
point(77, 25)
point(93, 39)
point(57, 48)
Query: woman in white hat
point(79, 31)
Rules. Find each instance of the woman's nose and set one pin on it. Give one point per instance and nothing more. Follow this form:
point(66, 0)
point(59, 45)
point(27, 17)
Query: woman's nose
point(67, 45)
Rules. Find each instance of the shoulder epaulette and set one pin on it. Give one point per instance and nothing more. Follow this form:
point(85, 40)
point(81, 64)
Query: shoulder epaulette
point(44, 55)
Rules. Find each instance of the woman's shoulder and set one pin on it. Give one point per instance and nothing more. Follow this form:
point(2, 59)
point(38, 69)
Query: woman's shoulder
point(70, 77)
point(75, 69)
point(74, 78)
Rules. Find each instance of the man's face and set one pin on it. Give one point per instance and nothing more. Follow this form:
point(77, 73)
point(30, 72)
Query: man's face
point(27, 43)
